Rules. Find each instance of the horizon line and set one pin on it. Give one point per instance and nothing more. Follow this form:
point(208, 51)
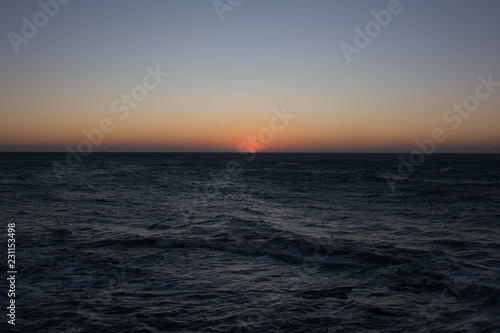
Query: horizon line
point(232, 152)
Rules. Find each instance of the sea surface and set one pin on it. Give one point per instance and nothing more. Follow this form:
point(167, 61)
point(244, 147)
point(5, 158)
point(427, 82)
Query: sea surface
point(139, 242)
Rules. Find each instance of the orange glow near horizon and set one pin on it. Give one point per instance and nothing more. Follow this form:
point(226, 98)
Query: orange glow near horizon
point(302, 135)
point(228, 123)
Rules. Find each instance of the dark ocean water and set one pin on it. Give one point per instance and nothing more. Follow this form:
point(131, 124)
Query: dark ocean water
point(282, 243)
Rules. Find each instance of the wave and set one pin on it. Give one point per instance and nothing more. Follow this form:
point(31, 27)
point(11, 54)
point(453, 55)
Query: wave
point(296, 251)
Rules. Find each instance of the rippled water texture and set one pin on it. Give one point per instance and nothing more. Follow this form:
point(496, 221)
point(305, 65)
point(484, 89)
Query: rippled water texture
point(266, 243)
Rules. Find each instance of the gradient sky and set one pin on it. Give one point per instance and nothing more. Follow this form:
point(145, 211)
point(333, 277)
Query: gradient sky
point(227, 76)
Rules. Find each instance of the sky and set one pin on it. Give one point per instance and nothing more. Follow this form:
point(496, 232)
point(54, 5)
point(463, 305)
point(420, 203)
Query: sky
point(249, 75)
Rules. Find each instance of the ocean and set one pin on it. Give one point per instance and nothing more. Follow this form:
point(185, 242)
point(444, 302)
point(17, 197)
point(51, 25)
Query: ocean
point(178, 242)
